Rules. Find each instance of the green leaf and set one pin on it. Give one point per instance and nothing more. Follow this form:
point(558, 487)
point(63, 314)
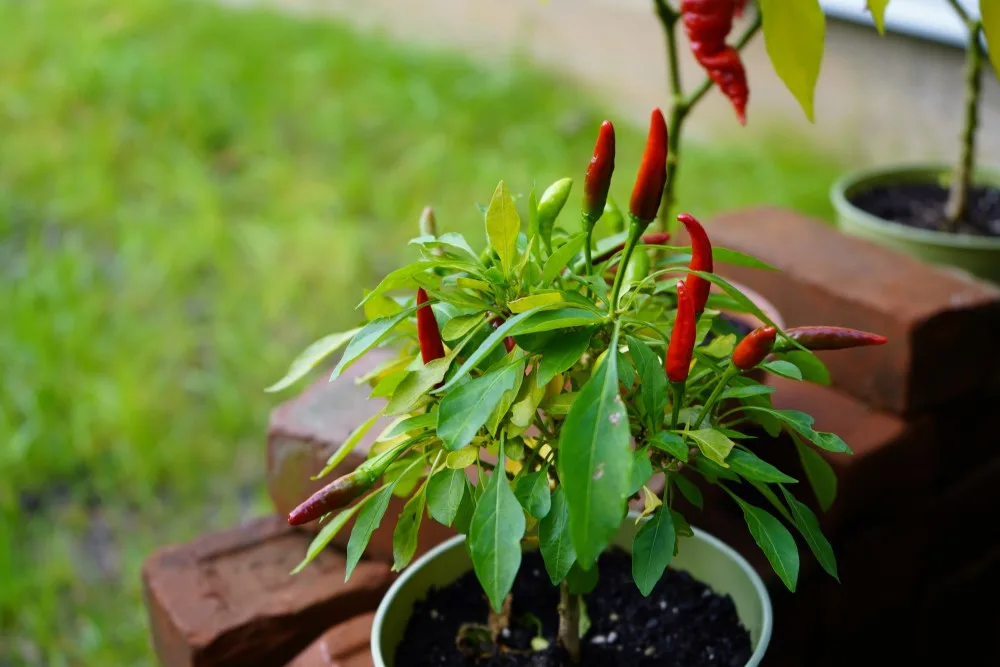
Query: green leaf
point(404, 474)
point(720, 346)
point(626, 374)
point(348, 445)
point(641, 471)
point(369, 335)
point(550, 320)
point(419, 422)
point(325, 536)
point(989, 10)
point(380, 306)
point(877, 9)
point(535, 301)
point(561, 352)
point(821, 476)
point(801, 423)
point(580, 581)
point(554, 541)
point(737, 258)
point(652, 382)
point(404, 538)
point(744, 302)
point(681, 527)
point(808, 525)
point(485, 348)
point(462, 458)
point(688, 489)
point(405, 276)
point(524, 409)
point(463, 520)
point(785, 369)
point(462, 412)
point(748, 465)
point(508, 398)
point(312, 356)
point(774, 540)
point(671, 443)
point(502, 226)
point(560, 259)
point(595, 460)
point(532, 491)
point(746, 391)
point(372, 511)
point(794, 34)
point(448, 240)
point(461, 325)
point(809, 365)
point(712, 444)
point(445, 491)
point(417, 384)
point(495, 537)
point(652, 550)
point(712, 471)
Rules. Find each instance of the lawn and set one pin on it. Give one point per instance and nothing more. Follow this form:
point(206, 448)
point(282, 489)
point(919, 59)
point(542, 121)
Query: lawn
point(188, 195)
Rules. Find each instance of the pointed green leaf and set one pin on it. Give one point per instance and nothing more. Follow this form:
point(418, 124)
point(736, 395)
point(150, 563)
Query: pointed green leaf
point(580, 581)
point(326, 535)
point(746, 391)
point(348, 445)
point(808, 525)
point(595, 460)
point(554, 541)
point(503, 226)
point(369, 336)
point(794, 34)
point(821, 476)
point(416, 384)
point(508, 397)
point(775, 541)
point(989, 10)
point(551, 320)
point(405, 276)
point(877, 9)
point(748, 465)
point(782, 368)
point(712, 444)
point(560, 259)
point(523, 412)
point(811, 369)
point(372, 511)
point(312, 356)
point(737, 258)
point(535, 301)
point(457, 327)
point(801, 423)
point(561, 352)
point(464, 411)
point(465, 510)
point(495, 537)
point(532, 491)
point(445, 491)
point(404, 538)
point(642, 470)
point(652, 382)
point(420, 422)
point(462, 458)
point(688, 489)
point(671, 443)
point(652, 550)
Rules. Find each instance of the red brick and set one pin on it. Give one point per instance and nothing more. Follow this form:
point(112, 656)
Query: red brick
point(228, 598)
point(344, 645)
point(306, 429)
point(939, 321)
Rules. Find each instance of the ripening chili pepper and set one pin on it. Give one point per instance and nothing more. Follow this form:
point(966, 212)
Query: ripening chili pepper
point(613, 217)
point(701, 260)
point(431, 345)
point(428, 223)
point(508, 342)
point(706, 24)
point(754, 348)
point(831, 338)
point(341, 491)
point(598, 180)
point(655, 238)
point(550, 206)
point(652, 176)
point(638, 267)
point(681, 348)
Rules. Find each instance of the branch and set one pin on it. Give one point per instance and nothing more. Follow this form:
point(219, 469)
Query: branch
point(964, 15)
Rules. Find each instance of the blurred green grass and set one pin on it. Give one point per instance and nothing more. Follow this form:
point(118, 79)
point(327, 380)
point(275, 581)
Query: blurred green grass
point(188, 195)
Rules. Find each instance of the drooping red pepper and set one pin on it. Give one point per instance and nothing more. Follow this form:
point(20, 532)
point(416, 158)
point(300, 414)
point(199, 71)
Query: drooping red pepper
point(706, 24)
point(701, 260)
point(598, 179)
point(508, 342)
point(754, 348)
point(831, 338)
point(655, 238)
point(681, 348)
point(428, 334)
point(652, 176)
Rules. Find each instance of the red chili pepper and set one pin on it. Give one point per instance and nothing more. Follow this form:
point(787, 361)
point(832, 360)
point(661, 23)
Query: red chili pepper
point(707, 23)
point(701, 260)
point(754, 348)
point(431, 345)
point(598, 179)
point(681, 348)
point(738, 8)
point(652, 176)
point(832, 338)
point(508, 342)
point(656, 238)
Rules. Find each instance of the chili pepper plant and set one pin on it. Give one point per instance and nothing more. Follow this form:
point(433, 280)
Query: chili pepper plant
point(538, 387)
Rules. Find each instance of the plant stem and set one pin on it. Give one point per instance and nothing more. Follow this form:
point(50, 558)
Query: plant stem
point(636, 228)
point(677, 389)
point(588, 252)
point(962, 14)
point(681, 105)
point(569, 622)
point(714, 396)
point(958, 196)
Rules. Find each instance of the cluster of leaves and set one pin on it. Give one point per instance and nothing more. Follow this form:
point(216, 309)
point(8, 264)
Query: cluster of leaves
point(551, 408)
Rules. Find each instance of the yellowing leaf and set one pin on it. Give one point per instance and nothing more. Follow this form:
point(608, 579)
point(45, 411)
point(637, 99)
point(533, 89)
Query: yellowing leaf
point(877, 9)
point(534, 301)
point(793, 35)
point(503, 225)
point(989, 10)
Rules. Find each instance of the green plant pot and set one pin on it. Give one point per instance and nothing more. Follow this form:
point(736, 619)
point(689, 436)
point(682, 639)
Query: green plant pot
point(705, 557)
point(978, 255)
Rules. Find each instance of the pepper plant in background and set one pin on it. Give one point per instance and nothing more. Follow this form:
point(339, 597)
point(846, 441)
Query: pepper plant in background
point(538, 388)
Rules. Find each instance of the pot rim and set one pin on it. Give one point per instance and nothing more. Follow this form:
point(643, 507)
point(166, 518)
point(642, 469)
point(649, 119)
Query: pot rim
point(456, 542)
point(907, 173)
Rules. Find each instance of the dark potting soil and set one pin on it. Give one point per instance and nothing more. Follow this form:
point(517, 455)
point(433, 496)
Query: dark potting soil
point(921, 205)
point(682, 623)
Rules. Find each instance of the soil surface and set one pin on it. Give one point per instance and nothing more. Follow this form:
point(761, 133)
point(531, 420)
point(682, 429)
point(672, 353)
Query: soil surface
point(682, 623)
point(922, 206)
